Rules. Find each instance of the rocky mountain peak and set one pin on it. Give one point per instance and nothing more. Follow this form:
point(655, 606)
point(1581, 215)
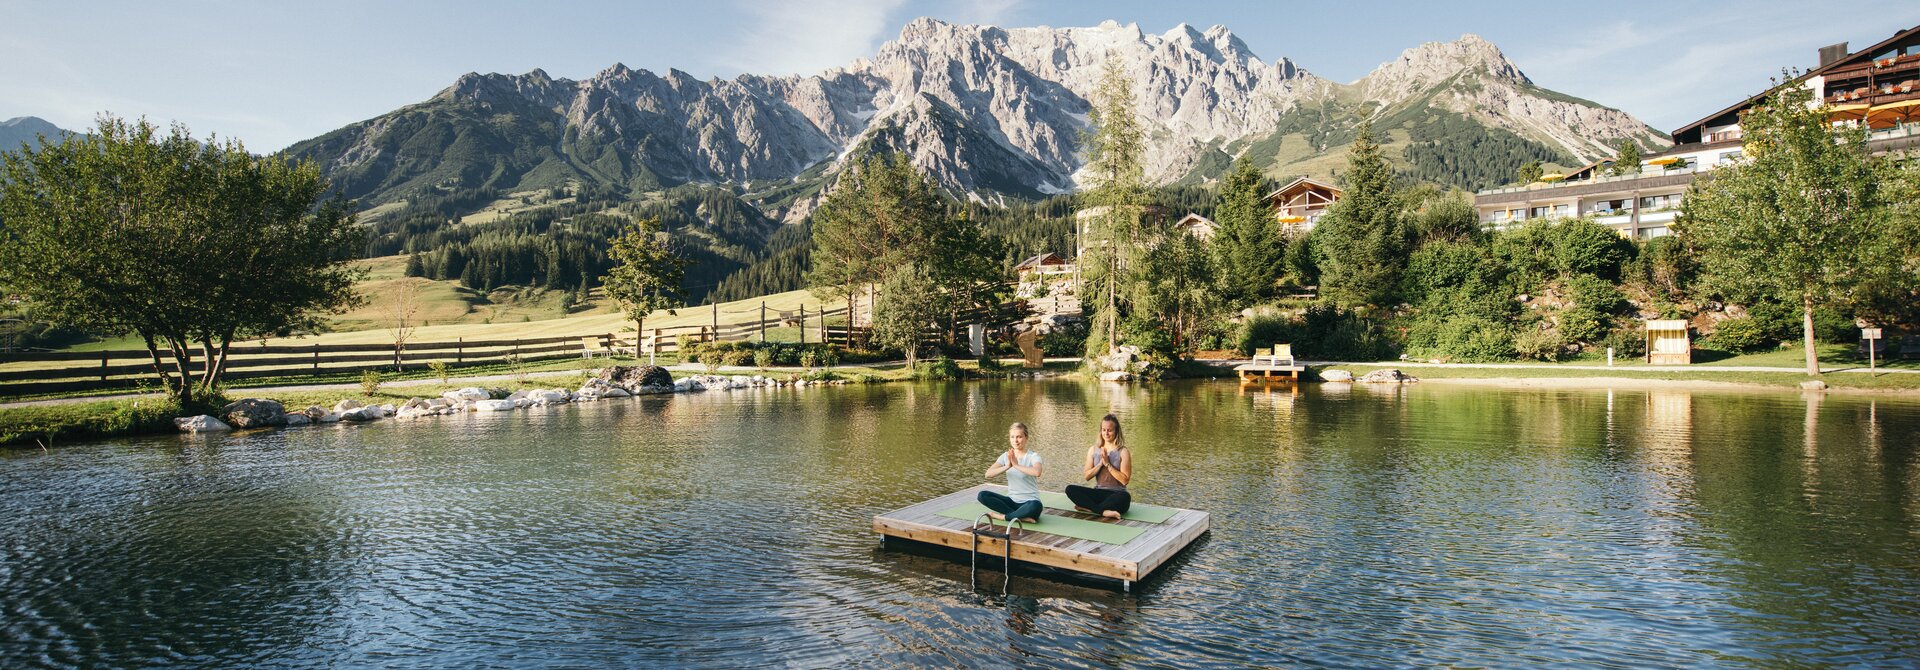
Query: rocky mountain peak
point(1425, 66)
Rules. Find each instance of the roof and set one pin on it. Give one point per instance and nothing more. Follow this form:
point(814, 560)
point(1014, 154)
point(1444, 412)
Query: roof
point(1304, 182)
point(1850, 59)
point(1048, 258)
point(1193, 218)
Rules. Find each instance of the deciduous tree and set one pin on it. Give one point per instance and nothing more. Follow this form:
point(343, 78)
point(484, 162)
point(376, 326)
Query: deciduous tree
point(646, 273)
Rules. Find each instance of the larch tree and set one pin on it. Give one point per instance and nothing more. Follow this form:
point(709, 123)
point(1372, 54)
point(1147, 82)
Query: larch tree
point(1803, 219)
point(1115, 202)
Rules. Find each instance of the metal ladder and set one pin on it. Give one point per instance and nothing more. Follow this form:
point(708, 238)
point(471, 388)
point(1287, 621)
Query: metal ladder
point(973, 564)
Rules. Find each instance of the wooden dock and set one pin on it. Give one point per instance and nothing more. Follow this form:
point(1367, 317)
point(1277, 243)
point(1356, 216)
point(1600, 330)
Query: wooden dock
point(1268, 373)
point(1130, 562)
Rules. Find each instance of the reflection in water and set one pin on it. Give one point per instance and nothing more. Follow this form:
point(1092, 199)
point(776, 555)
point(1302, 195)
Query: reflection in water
point(1373, 526)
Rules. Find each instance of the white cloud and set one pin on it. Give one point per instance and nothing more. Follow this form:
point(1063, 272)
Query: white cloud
point(809, 36)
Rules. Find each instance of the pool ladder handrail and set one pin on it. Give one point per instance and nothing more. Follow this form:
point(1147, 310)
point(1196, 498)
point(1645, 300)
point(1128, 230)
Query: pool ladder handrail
point(973, 563)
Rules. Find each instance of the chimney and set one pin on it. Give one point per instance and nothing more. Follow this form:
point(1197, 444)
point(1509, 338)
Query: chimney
point(1831, 53)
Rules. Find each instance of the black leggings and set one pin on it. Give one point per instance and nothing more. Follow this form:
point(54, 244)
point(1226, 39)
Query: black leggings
point(1099, 500)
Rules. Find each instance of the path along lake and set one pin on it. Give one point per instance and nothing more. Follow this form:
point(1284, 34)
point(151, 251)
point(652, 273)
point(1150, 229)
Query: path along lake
point(1356, 527)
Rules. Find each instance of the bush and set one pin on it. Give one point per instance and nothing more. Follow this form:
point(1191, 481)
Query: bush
point(1539, 345)
point(1580, 324)
point(712, 359)
point(1583, 247)
point(1438, 266)
point(1262, 330)
point(1459, 338)
point(1626, 342)
point(1067, 339)
point(1594, 293)
point(1151, 336)
point(763, 358)
point(939, 368)
point(370, 382)
point(1742, 334)
point(439, 369)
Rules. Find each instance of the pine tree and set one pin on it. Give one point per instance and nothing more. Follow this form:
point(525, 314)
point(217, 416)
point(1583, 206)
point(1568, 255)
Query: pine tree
point(1248, 248)
point(414, 267)
point(1529, 172)
point(1361, 244)
point(1627, 160)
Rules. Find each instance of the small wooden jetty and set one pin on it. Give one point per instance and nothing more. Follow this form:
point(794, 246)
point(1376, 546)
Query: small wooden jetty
point(1129, 562)
point(1268, 368)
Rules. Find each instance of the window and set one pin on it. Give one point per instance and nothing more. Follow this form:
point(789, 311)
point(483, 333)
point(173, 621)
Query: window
point(1616, 206)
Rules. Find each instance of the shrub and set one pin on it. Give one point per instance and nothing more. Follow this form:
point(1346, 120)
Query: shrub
point(1580, 324)
point(939, 368)
point(1740, 334)
point(439, 369)
point(763, 358)
point(810, 359)
point(1437, 266)
point(1459, 338)
point(370, 382)
point(1583, 247)
point(1262, 330)
point(1539, 345)
point(1594, 293)
point(1626, 342)
point(711, 359)
point(988, 363)
point(1066, 339)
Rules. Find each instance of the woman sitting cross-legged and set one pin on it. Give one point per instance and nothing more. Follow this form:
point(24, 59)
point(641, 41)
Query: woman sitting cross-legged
point(1022, 465)
point(1110, 466)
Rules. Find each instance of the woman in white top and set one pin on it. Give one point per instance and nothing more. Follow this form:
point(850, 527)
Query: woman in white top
point(1022, 465)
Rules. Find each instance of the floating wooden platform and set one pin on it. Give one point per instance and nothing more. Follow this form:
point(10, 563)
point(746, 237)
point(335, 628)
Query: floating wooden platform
point(1128, 562)
point(1267, 373)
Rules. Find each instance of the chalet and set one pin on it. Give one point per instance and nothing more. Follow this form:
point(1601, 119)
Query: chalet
point(1041, 267)
point(1200, 227)
point(1877, 87)
point(1300, 204)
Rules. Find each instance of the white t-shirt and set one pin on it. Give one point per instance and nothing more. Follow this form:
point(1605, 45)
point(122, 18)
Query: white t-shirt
point(1021, 486)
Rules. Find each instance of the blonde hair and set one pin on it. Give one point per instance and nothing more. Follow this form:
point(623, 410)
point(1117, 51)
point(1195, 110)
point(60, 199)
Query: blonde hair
point(1119, 438)
point(1022, 427)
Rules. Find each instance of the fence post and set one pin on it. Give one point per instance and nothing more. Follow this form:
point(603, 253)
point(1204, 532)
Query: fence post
point(763, 322)
point(103, 367)
point(459, 350)
point(316, 357)
point(803, 324)
point(716, 321)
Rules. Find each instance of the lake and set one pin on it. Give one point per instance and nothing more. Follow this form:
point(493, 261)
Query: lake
point(1352, 526)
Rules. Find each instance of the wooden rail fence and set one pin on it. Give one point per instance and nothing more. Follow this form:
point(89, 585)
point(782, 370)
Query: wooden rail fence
point(25, 373)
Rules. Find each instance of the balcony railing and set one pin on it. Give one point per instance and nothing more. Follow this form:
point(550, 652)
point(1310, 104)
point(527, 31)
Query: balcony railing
point(1648, 173)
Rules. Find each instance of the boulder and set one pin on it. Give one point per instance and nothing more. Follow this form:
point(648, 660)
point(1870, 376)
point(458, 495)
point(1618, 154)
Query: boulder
point(419, 412)
point(1386, 376)
point(1813, 385)
point(1116, 376)
point(200, 424)
point(616, 392)
point(439, 403)
point(344, 405)
point(413, 403)
point(362, 414)
point(315, 412)
point(298, 419)
point(1336, 376)
point(492, 405)
point(255, 413)
point(468, 393)
point(388, 410)
point(327, 417)
point(549, 397)
point(639, 378)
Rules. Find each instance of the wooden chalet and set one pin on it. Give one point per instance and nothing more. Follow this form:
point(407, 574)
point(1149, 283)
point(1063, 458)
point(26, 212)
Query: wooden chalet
point(1300, 204)
point(1200, 227)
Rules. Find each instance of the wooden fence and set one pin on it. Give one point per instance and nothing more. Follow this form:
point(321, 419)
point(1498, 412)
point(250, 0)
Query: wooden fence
point(26, 373)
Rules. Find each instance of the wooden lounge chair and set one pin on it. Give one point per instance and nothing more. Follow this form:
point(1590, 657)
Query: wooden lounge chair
point(1282, 355)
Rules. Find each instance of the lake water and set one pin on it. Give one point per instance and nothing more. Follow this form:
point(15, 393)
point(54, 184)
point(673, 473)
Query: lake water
point(1352, 527)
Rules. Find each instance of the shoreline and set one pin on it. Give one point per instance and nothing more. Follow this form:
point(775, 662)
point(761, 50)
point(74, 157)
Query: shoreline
point(1641, 383)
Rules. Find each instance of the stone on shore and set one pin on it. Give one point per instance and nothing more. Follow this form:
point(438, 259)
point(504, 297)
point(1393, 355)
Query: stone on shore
point(200, 424)
point(639, 379)
point(254, 413)
point(1116, 376)
point(492, 405)
point(1813, 385)
point(344, 405)
point(362, 414)
point(297, 419)
point(1387, 376)
point(1336, 376)
point(468, 393)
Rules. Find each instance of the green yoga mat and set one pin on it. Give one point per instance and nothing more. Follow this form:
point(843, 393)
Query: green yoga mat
point(1135, 512)
point(1057, 525)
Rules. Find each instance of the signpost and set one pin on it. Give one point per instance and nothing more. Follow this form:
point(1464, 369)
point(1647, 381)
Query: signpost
point(1871, 335)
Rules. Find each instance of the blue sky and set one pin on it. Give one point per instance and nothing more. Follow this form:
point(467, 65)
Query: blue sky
point(273, 73)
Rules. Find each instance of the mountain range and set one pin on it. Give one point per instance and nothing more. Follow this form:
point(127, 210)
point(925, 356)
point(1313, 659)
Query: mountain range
point(26, 130)
point(990, 113)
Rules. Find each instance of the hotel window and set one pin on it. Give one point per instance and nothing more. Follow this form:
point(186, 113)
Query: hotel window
point(1618, 206)
point(1538, 212)
point(1730, 156)
point(1659, 201)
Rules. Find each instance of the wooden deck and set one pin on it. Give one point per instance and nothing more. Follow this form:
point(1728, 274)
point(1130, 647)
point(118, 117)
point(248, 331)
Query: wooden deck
point(1267, 373)
point(1128, 562)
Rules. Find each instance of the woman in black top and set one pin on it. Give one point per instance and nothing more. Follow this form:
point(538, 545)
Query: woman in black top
point(1110, 466)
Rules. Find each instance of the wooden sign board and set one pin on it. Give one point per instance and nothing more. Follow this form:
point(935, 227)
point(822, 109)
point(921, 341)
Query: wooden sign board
point(1869, 333)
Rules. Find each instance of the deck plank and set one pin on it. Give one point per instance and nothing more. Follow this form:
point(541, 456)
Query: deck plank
point(1132, 561)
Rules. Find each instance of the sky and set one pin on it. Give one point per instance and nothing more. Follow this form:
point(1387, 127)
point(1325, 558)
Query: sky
point(272, 73)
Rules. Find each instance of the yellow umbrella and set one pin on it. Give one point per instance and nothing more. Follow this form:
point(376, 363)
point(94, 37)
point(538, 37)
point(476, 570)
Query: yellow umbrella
point(1851, 110)
point(1892, 112)
point(1552, 176)
point(1291, 218)
point(1664, 160)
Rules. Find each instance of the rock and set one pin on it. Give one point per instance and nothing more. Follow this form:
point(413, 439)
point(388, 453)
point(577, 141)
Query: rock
point(439, 403)
point(387, 410)
point(616, 392)
point(1336, 376)
point(297, 419)
point(420, 412)
point(200, 424)
point(362, 414)
point(549, 397)
point(414, 403)
point(1386, 376)
point(345, 405)
point(639, 379)
point(492, 405)
point(327, 417)
point(468, 393)
point(254, 413)
point(1116, 376)
point(1813, 385)
point(315, 412)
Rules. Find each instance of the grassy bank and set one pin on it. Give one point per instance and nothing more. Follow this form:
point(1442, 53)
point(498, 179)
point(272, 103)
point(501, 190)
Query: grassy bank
point(1575, 372)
